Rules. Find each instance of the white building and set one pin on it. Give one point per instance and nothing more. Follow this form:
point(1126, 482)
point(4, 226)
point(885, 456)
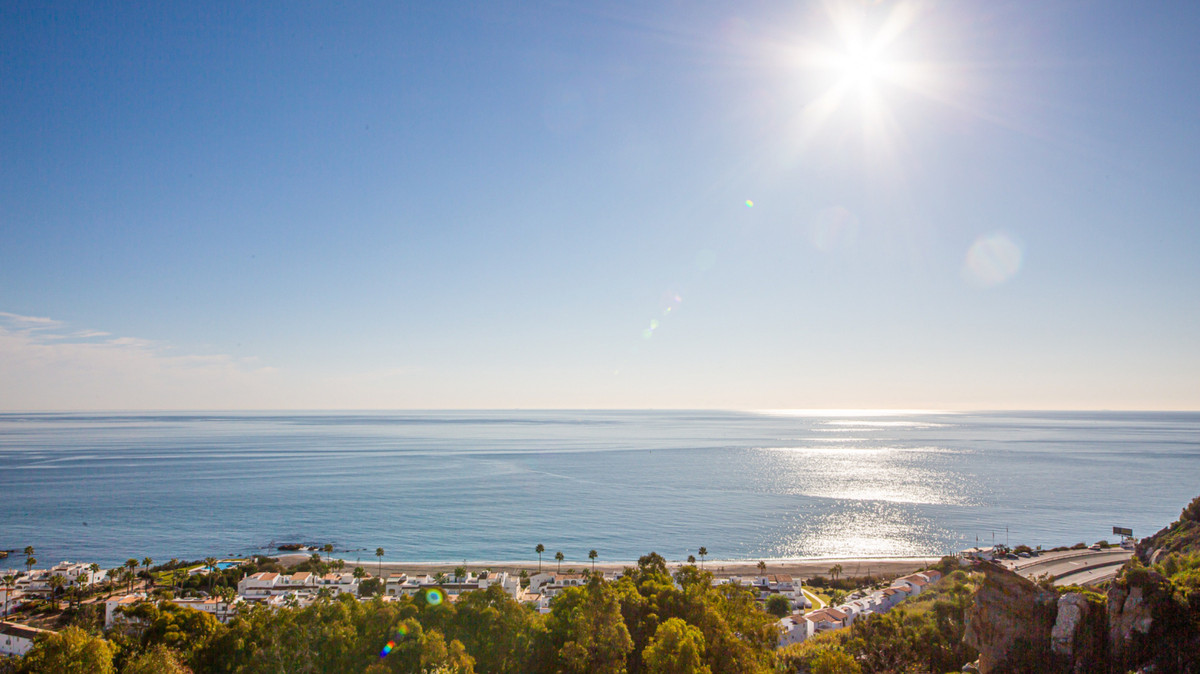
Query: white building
point(338, 583)
point(301, 580)
point(824, 619)
point(453, 586)
point(16, 640)
point(794, 629)
point(259, 585)
point(75, 572)
point(10, 599)
point(551, 583)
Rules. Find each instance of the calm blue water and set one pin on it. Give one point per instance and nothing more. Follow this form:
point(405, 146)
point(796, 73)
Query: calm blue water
point(491, 485)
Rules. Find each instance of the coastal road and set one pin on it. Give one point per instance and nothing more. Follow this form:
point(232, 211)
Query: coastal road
point(1075, 567)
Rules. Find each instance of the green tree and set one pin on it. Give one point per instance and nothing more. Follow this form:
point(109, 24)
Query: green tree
point(379, 554)
point(496, 630)
point(691, 559)
point(460, 572)
point(558, 557)
point(29, 562)
point(677, 648)
point(586, 625)
point(157, 660)
point(703, 552)
point(132, 565)
point(762, 566)
point(8, 588)
point(359, 573)
point(95, 569)
point(56, 586)
point(834, 661)
point(210, 563)
point(592, 554)
point(778, 605)
point(146, 562)
point(328, 549)
point(539, 550)
point(167, 624)
point(71, 651)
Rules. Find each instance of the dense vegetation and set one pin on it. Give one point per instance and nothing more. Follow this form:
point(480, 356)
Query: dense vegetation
point(640, 623)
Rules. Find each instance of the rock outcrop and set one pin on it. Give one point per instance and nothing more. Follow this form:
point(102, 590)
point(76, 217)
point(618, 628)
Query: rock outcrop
point(1011, 623)
point(1147, 621)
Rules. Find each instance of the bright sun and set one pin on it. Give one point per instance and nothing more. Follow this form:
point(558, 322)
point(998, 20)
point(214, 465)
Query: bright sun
point(862, 64)
point(861, 67)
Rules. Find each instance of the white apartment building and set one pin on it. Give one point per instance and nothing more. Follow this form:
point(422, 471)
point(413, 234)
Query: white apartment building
point(16, 640)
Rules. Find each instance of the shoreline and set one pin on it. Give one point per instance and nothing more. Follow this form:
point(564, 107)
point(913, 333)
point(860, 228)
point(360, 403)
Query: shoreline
point(802, 567)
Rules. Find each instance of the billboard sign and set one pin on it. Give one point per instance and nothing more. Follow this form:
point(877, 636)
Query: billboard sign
point(1122, 531)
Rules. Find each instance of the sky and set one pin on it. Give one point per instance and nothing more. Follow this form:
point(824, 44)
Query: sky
point(753, 205)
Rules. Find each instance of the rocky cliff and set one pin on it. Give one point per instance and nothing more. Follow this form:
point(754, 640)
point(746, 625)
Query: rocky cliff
point(1146, 622)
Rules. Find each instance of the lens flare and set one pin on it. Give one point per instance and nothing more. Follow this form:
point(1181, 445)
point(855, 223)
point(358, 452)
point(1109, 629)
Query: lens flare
point(401, 632)
point(434, 597)
point(749, 204)
point(992, 260)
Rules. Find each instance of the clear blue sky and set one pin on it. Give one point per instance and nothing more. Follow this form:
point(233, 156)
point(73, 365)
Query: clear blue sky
point(528, 204)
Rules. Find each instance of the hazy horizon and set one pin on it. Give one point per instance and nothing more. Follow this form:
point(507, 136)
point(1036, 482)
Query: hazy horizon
point(911, 205)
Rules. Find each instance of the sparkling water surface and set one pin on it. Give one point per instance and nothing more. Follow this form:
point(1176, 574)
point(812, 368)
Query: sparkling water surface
point(453, 486)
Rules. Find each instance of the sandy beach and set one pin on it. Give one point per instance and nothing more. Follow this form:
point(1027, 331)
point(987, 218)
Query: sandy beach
point(802, 568)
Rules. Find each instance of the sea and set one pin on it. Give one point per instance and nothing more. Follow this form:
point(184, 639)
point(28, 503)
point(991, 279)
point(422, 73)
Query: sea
point(480, 486)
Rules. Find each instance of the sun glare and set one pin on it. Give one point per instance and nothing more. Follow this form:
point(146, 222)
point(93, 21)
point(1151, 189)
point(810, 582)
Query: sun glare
point(860, 68)
point(865, 59)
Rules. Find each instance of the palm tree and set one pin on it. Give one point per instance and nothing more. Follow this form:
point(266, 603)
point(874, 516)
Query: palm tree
point(227, 595)
point(94, 568)
point(359, 573)
point(703, 551)
point(539, 549)
point(592, 554)
point(131, 564)
point(146, 562)
point(762, 566)
point(8, 587)
point(835, 571)
point(29, 559)
point(210, 563)
point(339, 564)
point(691, 559)
point(379, 554)
point(56, 586)
point(328, 548)
point(558, 556)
